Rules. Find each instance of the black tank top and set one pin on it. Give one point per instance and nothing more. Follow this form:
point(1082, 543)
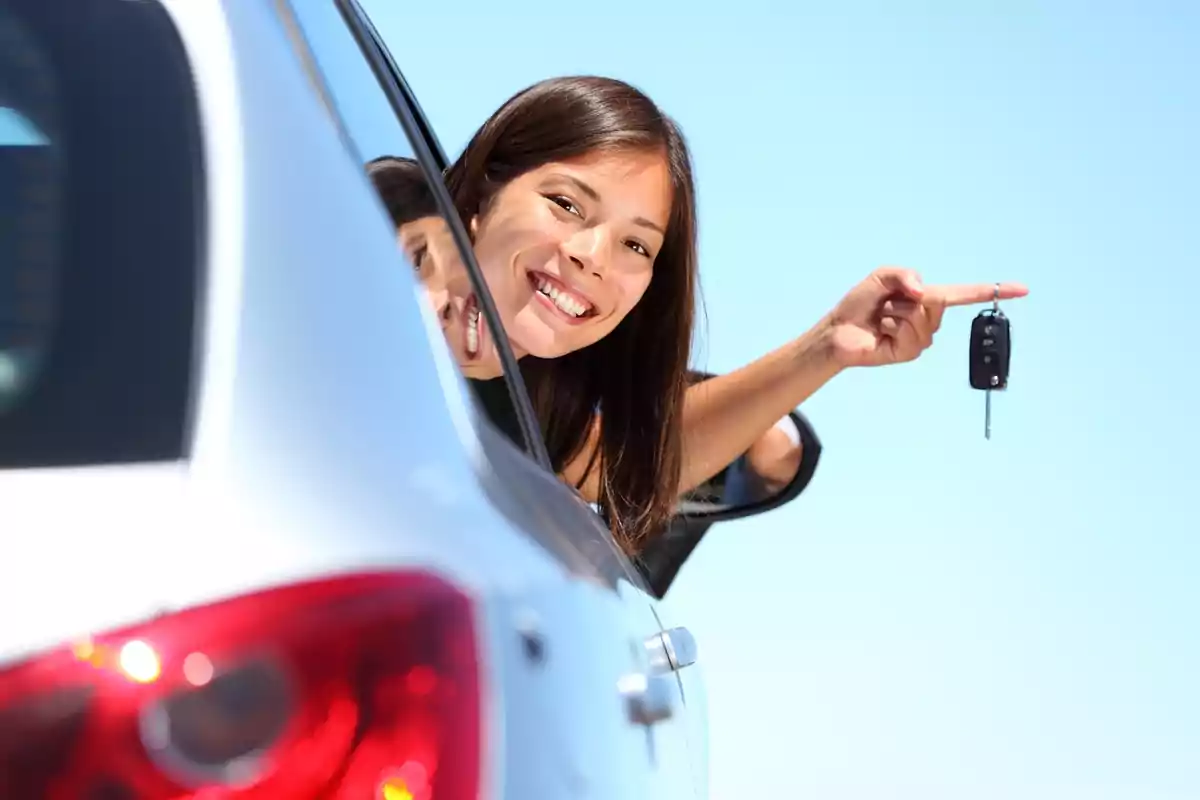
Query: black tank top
point(493, 397)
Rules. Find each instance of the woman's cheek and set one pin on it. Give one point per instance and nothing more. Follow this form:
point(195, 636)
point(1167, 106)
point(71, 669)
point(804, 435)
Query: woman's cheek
point(634, 293)
point(491, 261)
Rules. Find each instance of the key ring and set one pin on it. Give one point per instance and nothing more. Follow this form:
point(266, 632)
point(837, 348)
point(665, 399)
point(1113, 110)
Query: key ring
point(996, 298)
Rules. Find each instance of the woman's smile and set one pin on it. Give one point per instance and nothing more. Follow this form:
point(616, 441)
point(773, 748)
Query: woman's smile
point(474, 330)
point(562, 301)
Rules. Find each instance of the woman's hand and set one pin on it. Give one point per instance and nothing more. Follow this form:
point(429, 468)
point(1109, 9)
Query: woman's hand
point(891, 316)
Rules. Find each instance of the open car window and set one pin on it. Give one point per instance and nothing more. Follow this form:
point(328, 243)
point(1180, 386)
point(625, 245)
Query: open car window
point(401, 162)
point(399, 166)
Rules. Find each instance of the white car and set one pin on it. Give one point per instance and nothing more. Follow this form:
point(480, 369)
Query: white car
point(259, 540)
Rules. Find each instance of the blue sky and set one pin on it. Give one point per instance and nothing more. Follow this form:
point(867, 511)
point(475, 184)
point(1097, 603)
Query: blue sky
point(16, 131)
point(939, 617)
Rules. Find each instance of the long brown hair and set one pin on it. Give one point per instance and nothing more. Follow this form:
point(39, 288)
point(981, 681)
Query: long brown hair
point(401, 185)
point(634, 378)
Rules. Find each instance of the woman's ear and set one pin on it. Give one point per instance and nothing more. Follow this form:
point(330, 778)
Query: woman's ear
point(474, 226)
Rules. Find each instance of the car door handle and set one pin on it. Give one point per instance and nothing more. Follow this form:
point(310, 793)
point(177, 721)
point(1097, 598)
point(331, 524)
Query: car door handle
point(671, 650)
point(649, 699)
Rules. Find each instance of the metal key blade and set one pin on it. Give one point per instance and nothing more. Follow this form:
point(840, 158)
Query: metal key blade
point(987, 415)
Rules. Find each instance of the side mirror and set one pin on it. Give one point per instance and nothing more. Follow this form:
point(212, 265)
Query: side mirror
point(773, 472)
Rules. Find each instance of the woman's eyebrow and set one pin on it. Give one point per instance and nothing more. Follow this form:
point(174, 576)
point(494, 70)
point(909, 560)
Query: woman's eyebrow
point(583, 187)
point(645, 223)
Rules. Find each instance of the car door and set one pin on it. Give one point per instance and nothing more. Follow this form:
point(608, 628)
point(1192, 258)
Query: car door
point(519, 476)
point(671, 647)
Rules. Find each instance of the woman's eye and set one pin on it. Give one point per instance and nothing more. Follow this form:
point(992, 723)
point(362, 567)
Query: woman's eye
point(639, 248)
point(565, 204)
point(417, 256)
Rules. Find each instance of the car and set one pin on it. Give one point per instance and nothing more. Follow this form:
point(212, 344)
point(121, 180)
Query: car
point(260, 540)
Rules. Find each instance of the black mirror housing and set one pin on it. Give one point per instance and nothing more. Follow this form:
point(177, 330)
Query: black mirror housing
point(738, 492)
point(663, 557)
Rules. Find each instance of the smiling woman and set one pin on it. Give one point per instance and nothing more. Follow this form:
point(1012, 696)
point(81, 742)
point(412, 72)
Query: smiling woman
point(577, 195)
point(579, 198)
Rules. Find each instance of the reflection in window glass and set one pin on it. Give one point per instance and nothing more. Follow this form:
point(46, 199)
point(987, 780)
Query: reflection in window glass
point(422, 235)
point(30, 208)
point(16, 131)
point(361, 105)
point(28, 249)
point(100, 193)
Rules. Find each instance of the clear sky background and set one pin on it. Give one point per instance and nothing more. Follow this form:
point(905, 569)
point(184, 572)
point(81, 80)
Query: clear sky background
point(939, 617)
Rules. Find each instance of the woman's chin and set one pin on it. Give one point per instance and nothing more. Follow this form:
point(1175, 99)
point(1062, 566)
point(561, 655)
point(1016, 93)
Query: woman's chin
point(541, 347)
point(481, 369)
point(531, 335)
point(485, 364)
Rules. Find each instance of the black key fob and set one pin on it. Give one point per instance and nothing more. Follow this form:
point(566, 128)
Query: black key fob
point(991, 349)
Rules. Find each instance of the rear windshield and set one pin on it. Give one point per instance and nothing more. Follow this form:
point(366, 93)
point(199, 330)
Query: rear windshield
point(100, 212)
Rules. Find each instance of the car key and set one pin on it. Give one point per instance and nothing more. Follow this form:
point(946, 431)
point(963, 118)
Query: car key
point(991, 349)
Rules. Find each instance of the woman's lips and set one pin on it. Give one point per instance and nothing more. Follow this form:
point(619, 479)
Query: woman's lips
point(565, 303)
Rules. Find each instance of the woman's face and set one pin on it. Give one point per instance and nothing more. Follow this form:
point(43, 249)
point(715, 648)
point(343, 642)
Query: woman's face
point(432, 251)
point(568, 248)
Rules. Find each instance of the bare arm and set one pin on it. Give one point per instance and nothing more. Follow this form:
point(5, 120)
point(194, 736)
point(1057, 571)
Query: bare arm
point(725, 415)
point(774, 460)
point(888, 318)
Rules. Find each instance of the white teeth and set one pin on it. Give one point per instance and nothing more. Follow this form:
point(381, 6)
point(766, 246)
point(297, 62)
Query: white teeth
point(473, 332)
point(562, 299)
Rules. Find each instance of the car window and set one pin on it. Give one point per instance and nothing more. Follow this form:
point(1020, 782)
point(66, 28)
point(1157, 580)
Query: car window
point(100, 234)
point(564, 524)
point(425, 244)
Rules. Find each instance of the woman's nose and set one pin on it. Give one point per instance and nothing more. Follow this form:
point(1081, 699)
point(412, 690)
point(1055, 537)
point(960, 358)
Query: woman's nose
point(588, 250)
point(441, 306)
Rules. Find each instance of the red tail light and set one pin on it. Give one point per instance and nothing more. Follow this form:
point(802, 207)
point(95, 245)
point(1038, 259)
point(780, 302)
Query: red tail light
point(358, 687)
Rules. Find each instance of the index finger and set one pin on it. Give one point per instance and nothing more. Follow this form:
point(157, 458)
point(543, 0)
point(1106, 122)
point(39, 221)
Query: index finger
point(965, 294)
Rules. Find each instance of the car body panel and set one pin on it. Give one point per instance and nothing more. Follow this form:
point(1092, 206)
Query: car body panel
point(332, 434)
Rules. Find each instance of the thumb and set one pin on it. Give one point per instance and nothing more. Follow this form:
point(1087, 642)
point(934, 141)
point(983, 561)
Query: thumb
point(899, 279)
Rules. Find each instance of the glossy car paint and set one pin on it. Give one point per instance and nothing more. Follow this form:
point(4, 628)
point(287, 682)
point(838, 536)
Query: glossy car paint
point(331, 433)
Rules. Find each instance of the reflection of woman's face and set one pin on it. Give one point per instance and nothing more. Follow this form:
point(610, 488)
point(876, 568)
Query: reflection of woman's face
point(568, 248)
point(430, 248)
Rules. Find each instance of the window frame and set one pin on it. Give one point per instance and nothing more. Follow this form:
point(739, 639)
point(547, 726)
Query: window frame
point(403, 104)
point(513, 472)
